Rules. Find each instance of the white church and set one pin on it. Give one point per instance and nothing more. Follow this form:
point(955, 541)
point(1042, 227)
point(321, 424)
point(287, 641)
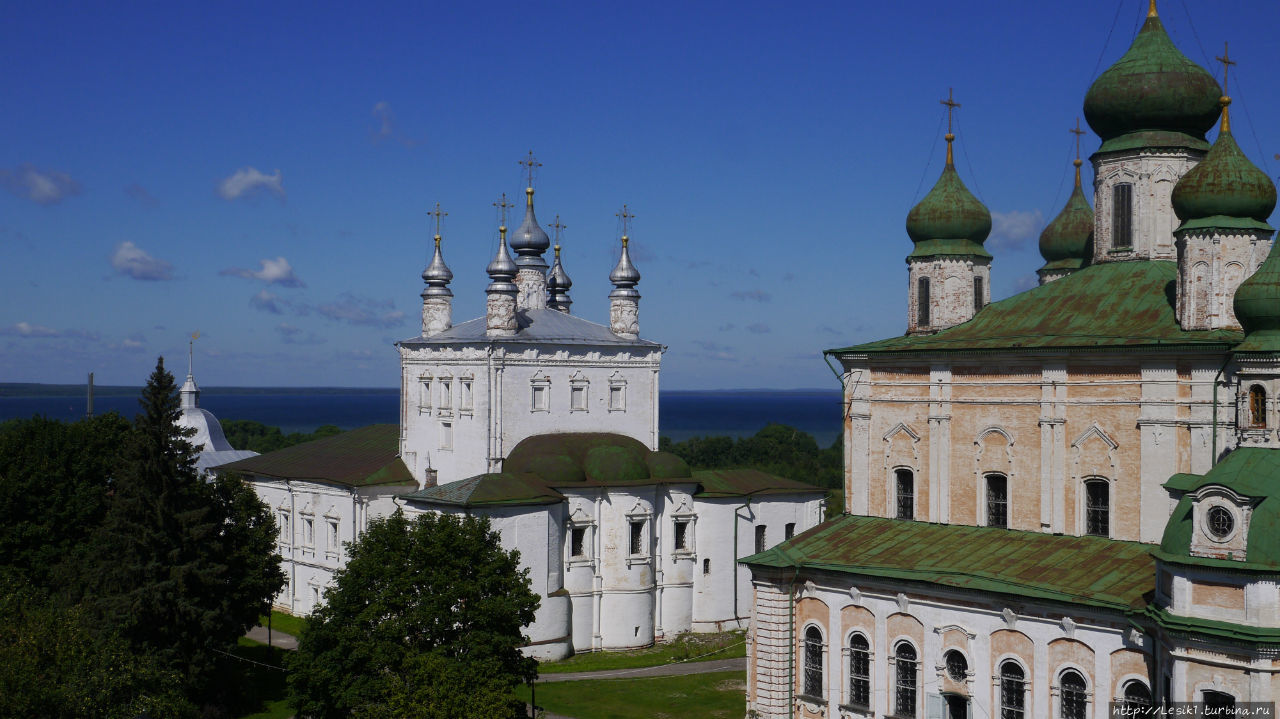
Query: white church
point(548, 424)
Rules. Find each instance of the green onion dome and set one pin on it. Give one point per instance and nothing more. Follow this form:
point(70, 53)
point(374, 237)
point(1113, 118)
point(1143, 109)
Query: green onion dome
point(1067, 243)
point(949, 220)
point(1225, 190)
point(1257, 306)
point(1153, 96)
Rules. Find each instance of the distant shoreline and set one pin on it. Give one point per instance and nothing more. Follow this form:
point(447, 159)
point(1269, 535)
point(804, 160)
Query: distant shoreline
point(35, 389)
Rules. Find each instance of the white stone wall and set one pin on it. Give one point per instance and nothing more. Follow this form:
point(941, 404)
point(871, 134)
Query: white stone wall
point(1152, 173)
point(444, 442)
point(985, 629)
point(951, 291)
point(1211, 265)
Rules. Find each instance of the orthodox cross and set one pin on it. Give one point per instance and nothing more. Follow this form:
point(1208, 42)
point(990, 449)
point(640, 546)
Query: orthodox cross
point(1227, 62)
point(503, 206)
point(530, 164)
point(951, 105)
point(626, 218)
point(559, 227)
point(438, 213)
point(191, 348)
point(1078, 133)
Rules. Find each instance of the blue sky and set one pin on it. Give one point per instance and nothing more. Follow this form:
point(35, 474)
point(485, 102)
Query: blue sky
point(262, 174)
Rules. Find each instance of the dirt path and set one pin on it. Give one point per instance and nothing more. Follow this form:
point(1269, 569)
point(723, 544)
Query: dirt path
point(662, 670)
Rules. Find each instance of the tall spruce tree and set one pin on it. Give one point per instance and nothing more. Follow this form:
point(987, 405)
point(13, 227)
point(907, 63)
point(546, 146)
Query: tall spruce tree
point(184, 565)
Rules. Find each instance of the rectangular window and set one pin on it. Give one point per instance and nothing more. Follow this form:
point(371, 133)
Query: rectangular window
point(1097, 508)
point(997, 501)
point(978, 295)
point(285, 535)
point(446, 394)
point(308, 531)
point(922, 302)
point(468, 398)
point(578, 542)
point(761, 531)
point(789, 530)
point(539, 401)
point(706, 566)
point(637, 537)
point(424, 399)
point(446, 435)
point(681, 535)
point(1122, 217)
point(333, 535)
point(905, 488)
point(617, 398)
point(578, 399)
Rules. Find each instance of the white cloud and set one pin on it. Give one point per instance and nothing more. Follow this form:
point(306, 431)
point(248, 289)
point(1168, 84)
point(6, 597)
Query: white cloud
point(266, 302)
point(132, 261)
point(387, 125)
point(248, 180)
point(273, 272)
point(46, 187)
point(26, 329)
point(1012, 229)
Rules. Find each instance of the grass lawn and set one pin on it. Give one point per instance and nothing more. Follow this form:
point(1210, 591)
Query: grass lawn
point(687, 696)
point(263, 693)
point(287, 623)
point(685, 646)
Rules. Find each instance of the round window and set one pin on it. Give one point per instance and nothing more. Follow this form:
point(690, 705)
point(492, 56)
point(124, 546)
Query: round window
point(1220, 522)
point(957, 665)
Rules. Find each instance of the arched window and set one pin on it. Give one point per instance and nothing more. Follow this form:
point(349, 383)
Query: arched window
point(905, 493)
point(997, 500)
point(957, 665)
point(859, 672)
point(1257, 406)
point(905, 682)
point(1136, 695)
point(1013, 691)
point(1074, 695)
point(813, 662)
point(922, 302)
point(1122, 217)
point(1097, 508)
point(979, 296)
point(1217, 700)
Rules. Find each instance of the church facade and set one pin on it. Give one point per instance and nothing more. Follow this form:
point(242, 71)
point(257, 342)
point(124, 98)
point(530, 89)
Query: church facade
point(546, 423)
point(1029, 482)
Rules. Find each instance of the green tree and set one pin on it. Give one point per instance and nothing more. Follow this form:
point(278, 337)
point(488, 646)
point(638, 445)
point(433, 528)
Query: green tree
point(184, 566)
point(424, 621)
point(55, 663)
point(261, 438)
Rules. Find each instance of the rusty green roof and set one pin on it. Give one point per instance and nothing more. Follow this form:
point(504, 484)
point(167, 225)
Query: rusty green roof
point(490, 489)
point(1109, 305)
point(359, 458)
point(743, 482)
point(594, 458)
point(1092, 571)
point(1253, 472)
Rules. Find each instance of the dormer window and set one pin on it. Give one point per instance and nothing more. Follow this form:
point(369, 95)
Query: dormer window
point(1219, 522)
point(1257, 407)
point(1122, 217)
point(1220, 519)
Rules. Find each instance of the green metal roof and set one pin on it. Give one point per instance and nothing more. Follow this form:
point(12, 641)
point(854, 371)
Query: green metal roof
point(743, 482)
point(1109, 305)
point(490, 489)
point(1091, 571)
point(1257, 306)
point(1196, 627)
point(360, 458)
point(1253, 472)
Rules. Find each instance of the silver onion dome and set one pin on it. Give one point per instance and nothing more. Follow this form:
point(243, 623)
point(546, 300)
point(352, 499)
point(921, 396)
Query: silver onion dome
point(625, 276)
point(530, 240)
point(437, 275)
point(558, 282)
point(502, 270)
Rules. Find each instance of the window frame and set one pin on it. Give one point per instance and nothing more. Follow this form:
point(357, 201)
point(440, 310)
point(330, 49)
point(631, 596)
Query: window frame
point(1122, 217)
point(446, 435)
point(813, 674)
point(788, 531)
point(996, 508)
point(761, 537)
point(1072, 694)
point(923, 309)
point(467, 394)
point(979, 294)
point(1093, 513)
point(906, 683)
point(1006, 689)
point(1129, 701)
point(445, 405)
point(859, 693)
point(899, 473)
point(424, 392)
point(1257, 410)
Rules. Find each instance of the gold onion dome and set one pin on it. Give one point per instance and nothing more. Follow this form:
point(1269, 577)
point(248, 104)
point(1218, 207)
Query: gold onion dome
point(1225, 190)
point(949, 220)
point(1067, 242)
point(1153, 96)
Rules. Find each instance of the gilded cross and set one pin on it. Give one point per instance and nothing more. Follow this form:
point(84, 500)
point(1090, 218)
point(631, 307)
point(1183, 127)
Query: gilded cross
point(559, 227)
point(626, 218)
point(438, 213)
point(951, 105)
point(530, 164)
point(503, 206)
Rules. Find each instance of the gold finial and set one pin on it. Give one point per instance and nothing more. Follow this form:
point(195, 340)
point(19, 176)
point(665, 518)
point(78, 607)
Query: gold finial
point(1227, 62)
point(437, 214)
point(625, 216)
point(1078, 133)
point(530, 164)
point(1151, 10)
point(502, 206)
point(951, 106)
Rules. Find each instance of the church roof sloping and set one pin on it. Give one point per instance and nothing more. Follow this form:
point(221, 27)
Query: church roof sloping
point(1113, 305)
point(362, 457)
point(716, 483)
point(1092, 571)
point(497, 488)
point(1253, 472)
point(534, 326)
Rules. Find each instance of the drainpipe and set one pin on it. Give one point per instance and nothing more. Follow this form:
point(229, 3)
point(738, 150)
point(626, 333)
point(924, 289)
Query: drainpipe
point(1213, 460)
point(737, 620)
point(791, 644)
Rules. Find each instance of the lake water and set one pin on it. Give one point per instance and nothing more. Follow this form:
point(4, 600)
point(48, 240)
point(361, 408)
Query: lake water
point(683, 414)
